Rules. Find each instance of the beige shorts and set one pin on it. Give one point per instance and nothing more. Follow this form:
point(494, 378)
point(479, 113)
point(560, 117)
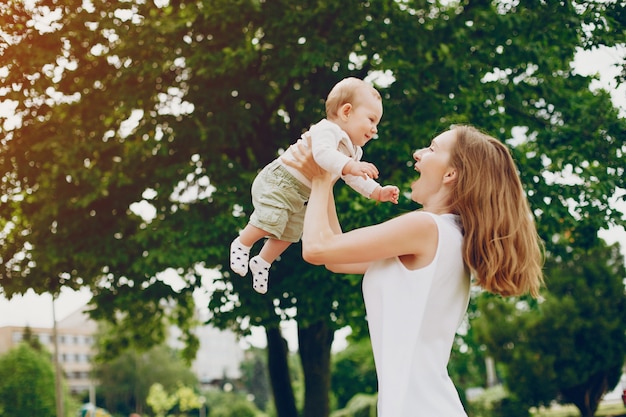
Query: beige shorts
point(279, 201)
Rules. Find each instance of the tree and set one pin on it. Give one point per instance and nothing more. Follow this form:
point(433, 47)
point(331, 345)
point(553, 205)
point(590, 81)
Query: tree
point(26, 383)
point(571, 347)
point(125, 382)
point(32, 340)
point(174, 105)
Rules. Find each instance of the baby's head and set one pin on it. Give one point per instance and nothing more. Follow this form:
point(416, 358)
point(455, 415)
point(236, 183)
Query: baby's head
point(349, 90)
point(356, 107)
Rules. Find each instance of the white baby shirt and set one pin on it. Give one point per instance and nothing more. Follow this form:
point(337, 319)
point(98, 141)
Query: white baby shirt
point(332, 149)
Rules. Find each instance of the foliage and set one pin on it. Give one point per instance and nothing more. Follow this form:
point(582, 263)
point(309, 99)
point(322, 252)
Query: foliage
point(353, 372)
point(32, 340)
point(466, 366)
point(361, 405)
point(353, 369)
point(496, 402)
point(90, 410)
point(173, 106)
point(159, 401)
point(572, 346)
point(184, 399)
point(255, 378)
point(297, 379)
point(222, 404)
point(604, 410)
point(125, 382)
point(140, 57)
point(26, 383)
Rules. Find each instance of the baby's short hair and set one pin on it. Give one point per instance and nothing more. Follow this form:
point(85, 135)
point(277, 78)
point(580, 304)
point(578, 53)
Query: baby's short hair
point(345, 91)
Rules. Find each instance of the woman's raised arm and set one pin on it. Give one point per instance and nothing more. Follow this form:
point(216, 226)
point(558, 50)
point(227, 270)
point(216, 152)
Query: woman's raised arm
point(412, 237)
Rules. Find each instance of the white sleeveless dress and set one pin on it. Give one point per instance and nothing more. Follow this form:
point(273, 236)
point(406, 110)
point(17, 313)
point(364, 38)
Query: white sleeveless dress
point(413, 317)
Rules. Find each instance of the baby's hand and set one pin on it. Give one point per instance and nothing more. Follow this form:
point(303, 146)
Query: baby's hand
point(389, 193)
point(303, 158)
point(360, 169)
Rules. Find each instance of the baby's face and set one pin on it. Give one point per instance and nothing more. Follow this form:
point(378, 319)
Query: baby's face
point(361, 122)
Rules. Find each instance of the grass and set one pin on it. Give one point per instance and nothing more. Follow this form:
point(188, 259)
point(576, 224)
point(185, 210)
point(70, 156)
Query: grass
point(604, 410)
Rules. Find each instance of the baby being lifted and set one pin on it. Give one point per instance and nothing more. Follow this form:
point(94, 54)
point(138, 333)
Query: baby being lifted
point(280, 192)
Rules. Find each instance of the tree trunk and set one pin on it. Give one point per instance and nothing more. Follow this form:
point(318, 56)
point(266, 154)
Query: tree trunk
point(277, 354)
point(586, 396)
point(314, 346)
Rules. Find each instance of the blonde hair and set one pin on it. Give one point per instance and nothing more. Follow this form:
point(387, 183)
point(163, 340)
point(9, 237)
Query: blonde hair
point(501, 244)
point(346, 91)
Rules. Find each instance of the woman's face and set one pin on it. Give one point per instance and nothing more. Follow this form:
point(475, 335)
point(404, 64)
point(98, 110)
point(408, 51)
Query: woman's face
point(433, 164)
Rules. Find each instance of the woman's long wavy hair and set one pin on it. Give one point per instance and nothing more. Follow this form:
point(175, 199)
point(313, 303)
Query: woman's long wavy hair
point(501, 244)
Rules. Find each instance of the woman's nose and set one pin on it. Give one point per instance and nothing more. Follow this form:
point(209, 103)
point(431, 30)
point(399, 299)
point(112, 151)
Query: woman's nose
point(417, 155)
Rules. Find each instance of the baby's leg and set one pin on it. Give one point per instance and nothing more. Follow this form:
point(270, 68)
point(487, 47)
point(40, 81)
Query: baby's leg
point(260, 264)
point(240, 248)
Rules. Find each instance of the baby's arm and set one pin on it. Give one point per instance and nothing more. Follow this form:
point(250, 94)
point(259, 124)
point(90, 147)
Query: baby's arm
point(360, 169)
point(369, 188)
point(325, 139)
point(387, 193)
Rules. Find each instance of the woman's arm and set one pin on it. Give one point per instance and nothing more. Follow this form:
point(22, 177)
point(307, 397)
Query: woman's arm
point(341, 268)
point(412, 237)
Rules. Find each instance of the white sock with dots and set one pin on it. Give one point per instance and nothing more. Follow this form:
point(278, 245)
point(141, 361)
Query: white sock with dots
point(260, 274)
point(239, 254)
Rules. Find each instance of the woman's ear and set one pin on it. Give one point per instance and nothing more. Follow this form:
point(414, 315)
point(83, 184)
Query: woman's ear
point(450, 176)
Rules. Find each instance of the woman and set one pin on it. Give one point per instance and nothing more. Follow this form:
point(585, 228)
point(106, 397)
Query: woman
point(475, 221)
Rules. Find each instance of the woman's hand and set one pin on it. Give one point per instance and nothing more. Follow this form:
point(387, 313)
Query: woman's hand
point(303, 159)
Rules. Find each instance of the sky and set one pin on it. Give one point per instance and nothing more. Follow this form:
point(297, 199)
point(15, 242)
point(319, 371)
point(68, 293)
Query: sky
point(36, 310)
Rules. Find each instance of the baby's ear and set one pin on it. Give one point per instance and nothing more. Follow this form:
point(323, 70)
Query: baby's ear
point(344, 111)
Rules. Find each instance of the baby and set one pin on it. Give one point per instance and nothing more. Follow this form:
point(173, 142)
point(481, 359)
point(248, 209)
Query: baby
point(280, 193)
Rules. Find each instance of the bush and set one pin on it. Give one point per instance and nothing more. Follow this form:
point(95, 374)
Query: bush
point(361, 405)
point(231, 405)
point(26, 383)
point(509, 407)
point(237, 409)
point(496, 402)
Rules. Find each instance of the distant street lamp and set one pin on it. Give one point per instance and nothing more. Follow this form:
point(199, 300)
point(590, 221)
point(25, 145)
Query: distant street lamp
point(57, 365)
point(202, 403)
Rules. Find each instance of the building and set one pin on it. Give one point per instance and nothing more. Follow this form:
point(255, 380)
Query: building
point(219, 355)
point(76, 337)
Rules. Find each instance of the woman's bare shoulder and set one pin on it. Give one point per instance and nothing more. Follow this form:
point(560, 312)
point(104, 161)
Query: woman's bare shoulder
point(415, 229)
point(417, 218)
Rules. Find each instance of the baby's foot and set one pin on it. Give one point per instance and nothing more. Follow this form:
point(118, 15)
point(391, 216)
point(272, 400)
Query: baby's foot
point(260, 274)
point(239, 254)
